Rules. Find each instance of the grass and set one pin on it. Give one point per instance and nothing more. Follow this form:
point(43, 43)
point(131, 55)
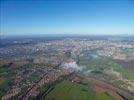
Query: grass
point(103, 96)
point(128, 50)
point(127, 73)
point(105, 63)
point(67, 90)
point(8, 79)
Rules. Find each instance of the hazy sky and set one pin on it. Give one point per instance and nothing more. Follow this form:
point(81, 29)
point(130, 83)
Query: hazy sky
point(20, 17)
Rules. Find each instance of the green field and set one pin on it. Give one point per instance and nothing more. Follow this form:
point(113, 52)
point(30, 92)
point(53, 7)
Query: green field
point(103, 63)
point(128, 50)
point(67, 90)
point(7, 79)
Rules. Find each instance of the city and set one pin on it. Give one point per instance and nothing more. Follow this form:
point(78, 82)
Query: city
point(31, 65)
point(66, 49)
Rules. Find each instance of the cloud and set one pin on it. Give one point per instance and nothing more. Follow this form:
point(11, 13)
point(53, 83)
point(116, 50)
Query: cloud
point(72, 66)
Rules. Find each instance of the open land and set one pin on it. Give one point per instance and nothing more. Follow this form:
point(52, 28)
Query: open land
point(67, 69)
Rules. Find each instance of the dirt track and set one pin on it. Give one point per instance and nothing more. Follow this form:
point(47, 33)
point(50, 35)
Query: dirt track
point(99, 86)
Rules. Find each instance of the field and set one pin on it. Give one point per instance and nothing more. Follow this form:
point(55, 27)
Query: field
point(67, 90)
point(128, 50)
point(6, 79)
point(102, 63)
point(128, 64)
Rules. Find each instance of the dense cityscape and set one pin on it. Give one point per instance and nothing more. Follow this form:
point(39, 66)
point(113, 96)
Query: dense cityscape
point(29, 65)
point(66, 49)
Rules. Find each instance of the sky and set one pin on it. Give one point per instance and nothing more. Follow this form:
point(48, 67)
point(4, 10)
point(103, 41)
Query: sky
point(22, 17)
